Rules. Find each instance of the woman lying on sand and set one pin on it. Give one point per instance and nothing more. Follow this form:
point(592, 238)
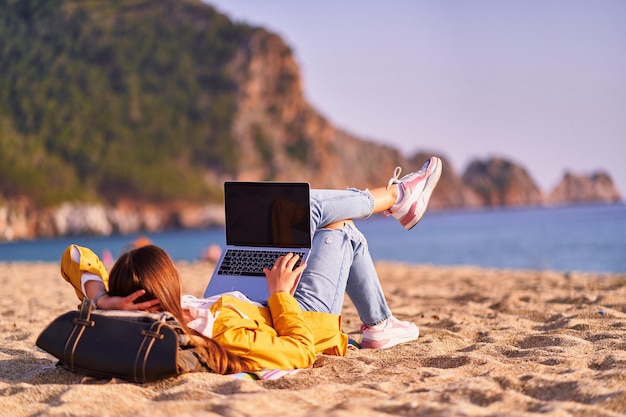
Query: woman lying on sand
point(236, 334)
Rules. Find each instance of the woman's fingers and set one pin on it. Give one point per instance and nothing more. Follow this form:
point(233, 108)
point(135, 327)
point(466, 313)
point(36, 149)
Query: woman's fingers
point(291, 260)
point(133, 296)
point(297, 272)
point(287, 261)
point(150, 305)
point(283, 275)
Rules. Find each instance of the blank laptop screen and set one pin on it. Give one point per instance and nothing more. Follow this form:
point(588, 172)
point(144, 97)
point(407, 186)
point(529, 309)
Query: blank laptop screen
point(267, 214)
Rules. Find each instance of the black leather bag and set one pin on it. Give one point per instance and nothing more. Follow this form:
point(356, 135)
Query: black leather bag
point(134, 346)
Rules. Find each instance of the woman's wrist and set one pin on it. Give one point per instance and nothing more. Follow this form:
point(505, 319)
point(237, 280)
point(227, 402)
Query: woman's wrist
point(98, 297)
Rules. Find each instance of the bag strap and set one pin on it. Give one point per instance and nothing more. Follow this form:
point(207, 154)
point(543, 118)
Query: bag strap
point(84, 316)
point(149, 337)
point(82, 321)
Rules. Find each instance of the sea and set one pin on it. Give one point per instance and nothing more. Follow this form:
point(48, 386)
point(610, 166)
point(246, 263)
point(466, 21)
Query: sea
point(585, 238)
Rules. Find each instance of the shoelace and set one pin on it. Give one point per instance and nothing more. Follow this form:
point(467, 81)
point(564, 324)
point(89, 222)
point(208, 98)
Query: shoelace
point(395, 178)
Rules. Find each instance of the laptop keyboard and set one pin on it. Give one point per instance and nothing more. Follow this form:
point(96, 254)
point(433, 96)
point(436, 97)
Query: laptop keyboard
point(251, 262)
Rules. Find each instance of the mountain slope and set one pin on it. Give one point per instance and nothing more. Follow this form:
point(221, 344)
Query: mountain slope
point(120, 99)
point(135, 112)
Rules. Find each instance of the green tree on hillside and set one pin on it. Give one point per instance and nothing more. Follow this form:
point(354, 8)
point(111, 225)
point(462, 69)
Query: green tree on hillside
point(124, 99)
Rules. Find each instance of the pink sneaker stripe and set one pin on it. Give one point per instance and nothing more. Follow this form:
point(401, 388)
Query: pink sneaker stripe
point(374, 344)
point(409, 217)
point(411, 184)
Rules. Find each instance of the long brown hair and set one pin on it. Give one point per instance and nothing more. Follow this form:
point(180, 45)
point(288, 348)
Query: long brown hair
point(150, 268)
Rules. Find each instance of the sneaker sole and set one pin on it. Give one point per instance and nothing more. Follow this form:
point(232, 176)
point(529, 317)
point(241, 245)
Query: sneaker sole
point(430, 185)
point(388, 343)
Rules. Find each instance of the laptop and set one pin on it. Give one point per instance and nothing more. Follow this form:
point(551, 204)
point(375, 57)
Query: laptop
point(264, 220)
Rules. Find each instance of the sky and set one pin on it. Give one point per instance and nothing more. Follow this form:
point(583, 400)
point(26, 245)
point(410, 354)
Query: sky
point(539, 82)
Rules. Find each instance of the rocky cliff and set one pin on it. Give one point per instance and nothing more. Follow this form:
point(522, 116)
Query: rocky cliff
point(20, 219)
point(489, 183)
point(147, 137)
point(279, 136)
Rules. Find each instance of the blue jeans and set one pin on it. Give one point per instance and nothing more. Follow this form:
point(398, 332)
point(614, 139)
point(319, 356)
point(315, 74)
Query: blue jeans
point(340, 261)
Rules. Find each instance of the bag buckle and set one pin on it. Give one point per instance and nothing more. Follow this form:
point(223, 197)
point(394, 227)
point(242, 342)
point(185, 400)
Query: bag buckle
point(84, 318)
point(150, 333)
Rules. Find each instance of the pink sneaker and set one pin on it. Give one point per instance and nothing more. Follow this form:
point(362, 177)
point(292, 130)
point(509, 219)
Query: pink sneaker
point(417, 187)
point(389, 333)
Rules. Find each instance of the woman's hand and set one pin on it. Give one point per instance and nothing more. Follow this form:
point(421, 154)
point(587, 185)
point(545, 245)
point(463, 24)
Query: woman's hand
point(107, 302)
point(283, 277)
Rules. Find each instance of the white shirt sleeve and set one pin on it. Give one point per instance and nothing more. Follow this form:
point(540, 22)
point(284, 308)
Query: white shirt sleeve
point(202, 318)
point(86, 276)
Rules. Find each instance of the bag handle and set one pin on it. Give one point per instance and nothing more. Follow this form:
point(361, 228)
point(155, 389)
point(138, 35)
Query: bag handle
point(84, 316)
point(149, 337)
point(80, 323)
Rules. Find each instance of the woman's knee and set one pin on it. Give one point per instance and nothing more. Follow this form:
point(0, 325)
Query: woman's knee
point(339, 224)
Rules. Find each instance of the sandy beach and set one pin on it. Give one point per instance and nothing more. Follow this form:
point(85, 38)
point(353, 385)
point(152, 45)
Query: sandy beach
point(493, 343)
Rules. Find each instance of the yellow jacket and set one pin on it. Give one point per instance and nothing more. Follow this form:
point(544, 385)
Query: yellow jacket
point(281, 336)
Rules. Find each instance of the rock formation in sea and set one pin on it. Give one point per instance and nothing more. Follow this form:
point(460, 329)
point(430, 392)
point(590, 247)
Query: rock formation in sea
point(500, 182)
point(579, 188)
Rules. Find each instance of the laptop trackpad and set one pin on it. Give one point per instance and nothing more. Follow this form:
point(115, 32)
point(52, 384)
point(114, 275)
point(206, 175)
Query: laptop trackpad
point(255, 288)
